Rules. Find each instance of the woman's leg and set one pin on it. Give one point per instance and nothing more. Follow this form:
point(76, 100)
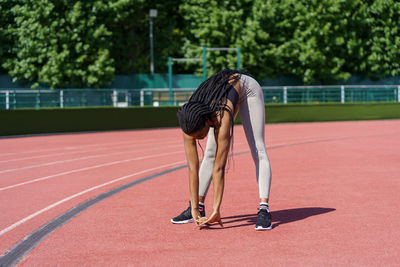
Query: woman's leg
point(206, 167)
point(252, 113)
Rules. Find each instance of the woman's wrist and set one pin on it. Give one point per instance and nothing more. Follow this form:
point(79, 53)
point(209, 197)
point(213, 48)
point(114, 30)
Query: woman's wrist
point(194, 204)
point(216, 209)
point(195, 213)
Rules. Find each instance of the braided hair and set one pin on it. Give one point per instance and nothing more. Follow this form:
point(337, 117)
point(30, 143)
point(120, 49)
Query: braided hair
point(207, 101)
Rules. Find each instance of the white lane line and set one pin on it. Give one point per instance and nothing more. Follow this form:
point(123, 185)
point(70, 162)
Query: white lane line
point(81, 151)
point(87, 168)
point(78, 147)
point(81, 158)
point(33, 215)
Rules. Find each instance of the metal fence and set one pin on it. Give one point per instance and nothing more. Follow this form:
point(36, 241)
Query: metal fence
point(14, 99)
point(325, 94)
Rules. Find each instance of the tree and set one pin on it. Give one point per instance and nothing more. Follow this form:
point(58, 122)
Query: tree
point(308, 39)
point(320, 41)
point(6, 24)
point(215, 23)
point(61, 43)
point(131, 49)
point(381, 50)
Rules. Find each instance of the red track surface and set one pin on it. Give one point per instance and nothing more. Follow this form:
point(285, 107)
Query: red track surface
point(334, 198)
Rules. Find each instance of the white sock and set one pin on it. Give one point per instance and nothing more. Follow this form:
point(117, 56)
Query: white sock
point(264, 205)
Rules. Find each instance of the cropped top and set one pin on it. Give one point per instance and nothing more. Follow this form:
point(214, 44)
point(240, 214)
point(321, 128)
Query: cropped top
point(233, 96)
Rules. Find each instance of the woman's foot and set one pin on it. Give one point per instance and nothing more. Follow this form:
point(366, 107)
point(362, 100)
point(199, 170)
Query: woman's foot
point(186, 215)
point(264, 219)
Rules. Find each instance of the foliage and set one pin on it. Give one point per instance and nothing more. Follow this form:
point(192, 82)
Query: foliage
point(215, 23)
point(84, 43)
point(60, 43)
point(382, 45)
point(304, 38)
point(78, 43)
point(320, 41)
point(6, 23)
point(131, 46)
point(301, 38)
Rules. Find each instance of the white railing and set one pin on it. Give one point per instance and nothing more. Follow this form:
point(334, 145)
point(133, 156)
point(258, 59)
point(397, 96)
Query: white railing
point(180, 96)
point(332, 93)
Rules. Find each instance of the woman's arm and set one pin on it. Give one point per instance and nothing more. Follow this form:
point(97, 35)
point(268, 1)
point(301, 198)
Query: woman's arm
point(222, 137)
point(193, 164)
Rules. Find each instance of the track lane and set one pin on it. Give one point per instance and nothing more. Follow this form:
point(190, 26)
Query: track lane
point(18, 229)
point(89, 158)
point(81, 151)
point(40, 194)
point(67, 184)
point(21, 146)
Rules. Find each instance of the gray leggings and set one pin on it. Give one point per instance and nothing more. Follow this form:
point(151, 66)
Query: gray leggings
point(252, 113)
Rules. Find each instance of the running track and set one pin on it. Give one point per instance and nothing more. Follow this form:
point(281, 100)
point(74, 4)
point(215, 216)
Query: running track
point(334, 199)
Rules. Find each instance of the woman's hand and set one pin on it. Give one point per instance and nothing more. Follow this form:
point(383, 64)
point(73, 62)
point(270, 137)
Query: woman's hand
point(215, 217)
point(198, 220)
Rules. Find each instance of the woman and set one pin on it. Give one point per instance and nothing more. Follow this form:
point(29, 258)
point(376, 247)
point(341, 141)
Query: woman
point(211, 110)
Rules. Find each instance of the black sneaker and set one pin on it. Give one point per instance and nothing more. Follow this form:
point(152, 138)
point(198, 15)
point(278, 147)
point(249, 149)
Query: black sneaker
point(186, 216)
point(264, 220)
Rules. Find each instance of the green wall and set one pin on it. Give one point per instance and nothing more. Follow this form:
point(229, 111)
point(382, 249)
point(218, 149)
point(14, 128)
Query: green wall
point(134, 81)
point(155, 81)
point(35, 121)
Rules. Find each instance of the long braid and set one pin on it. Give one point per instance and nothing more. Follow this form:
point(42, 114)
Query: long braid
point(209, 99)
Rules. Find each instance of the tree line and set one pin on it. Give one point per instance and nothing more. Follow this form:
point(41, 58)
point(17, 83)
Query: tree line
point(79, 43)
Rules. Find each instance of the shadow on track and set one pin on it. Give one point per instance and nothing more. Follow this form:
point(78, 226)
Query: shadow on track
point(278, 217)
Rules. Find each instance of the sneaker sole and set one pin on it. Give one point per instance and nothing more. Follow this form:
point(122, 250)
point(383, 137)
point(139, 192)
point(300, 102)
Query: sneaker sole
point(260, 228)
point(182, 222)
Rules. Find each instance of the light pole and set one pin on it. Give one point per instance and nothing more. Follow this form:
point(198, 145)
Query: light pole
point(153, 14)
